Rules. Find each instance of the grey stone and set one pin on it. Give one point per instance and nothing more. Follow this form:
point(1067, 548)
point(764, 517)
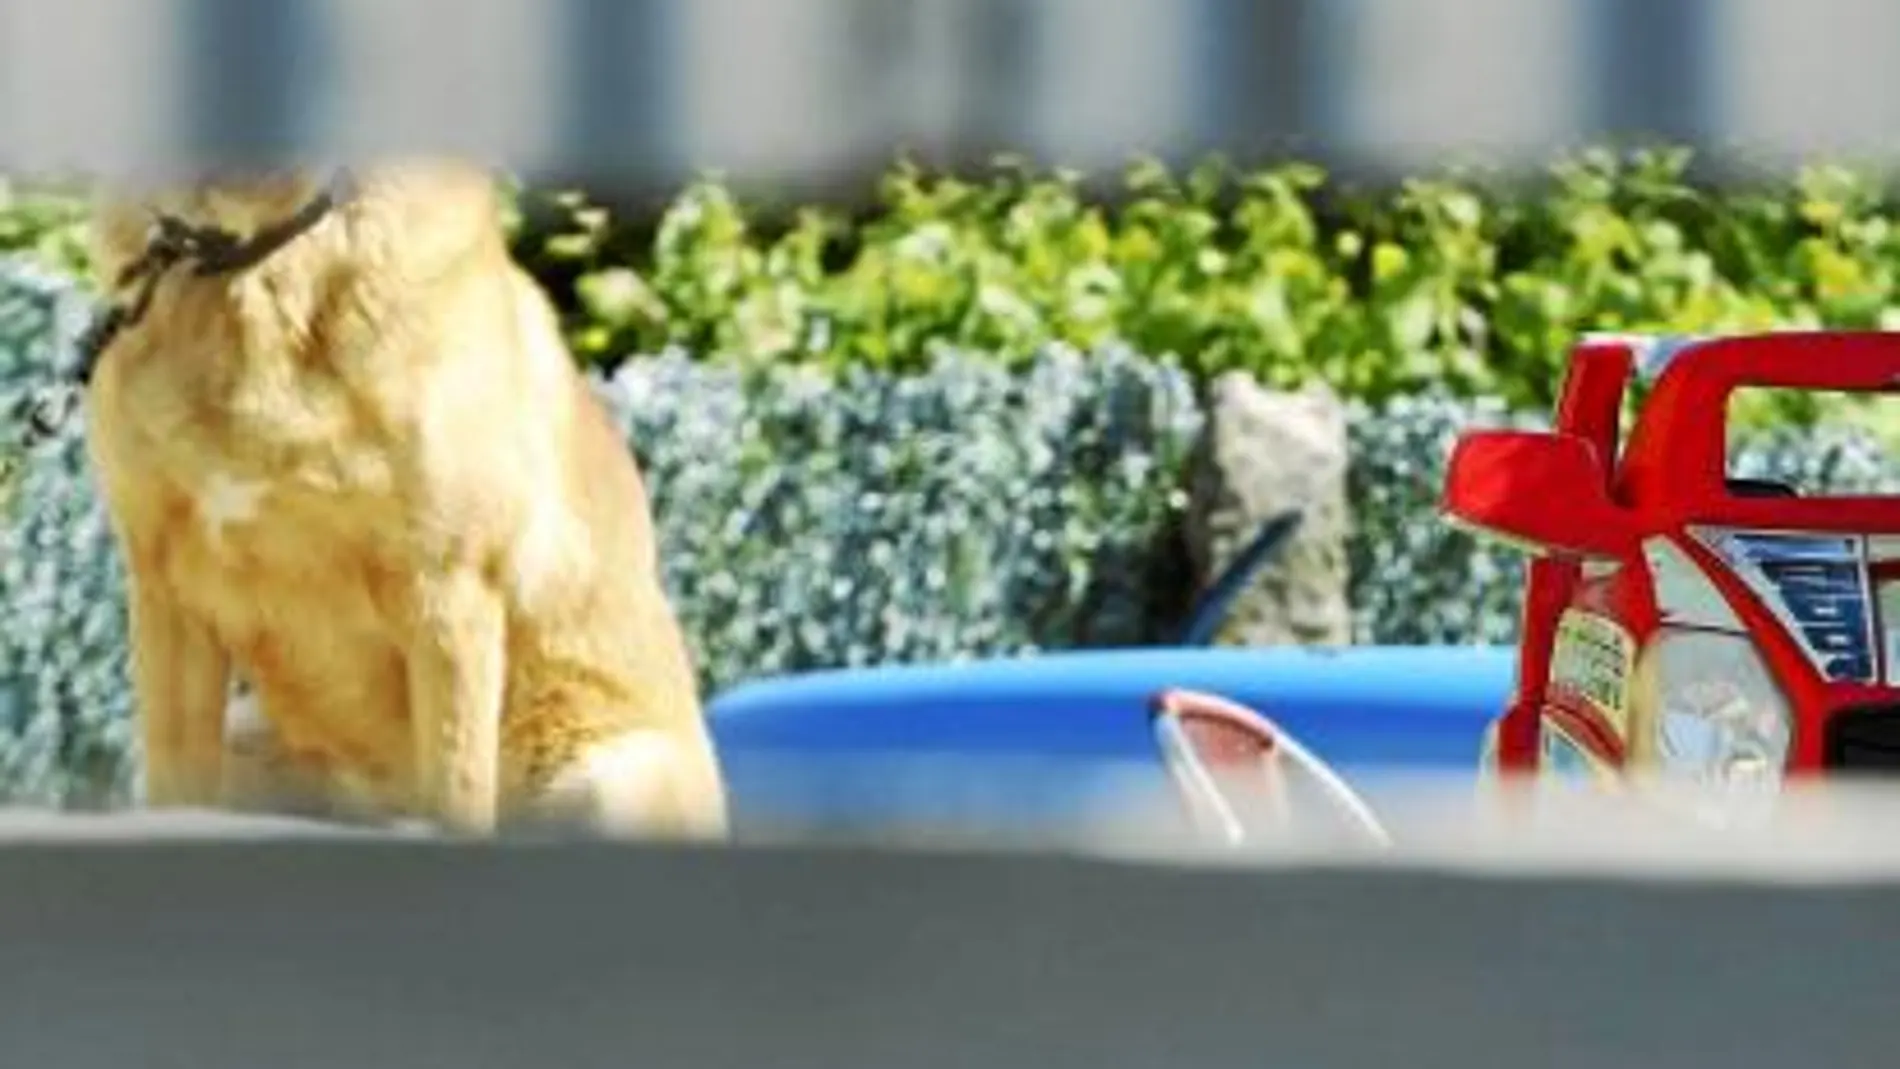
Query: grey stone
point(1263, 452)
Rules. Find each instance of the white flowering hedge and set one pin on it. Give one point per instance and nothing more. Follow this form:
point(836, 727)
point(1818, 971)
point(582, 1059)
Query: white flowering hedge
point(811, 519)
point(63, 664)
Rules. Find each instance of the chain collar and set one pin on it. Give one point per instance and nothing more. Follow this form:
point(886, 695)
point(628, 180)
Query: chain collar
point(172, 242)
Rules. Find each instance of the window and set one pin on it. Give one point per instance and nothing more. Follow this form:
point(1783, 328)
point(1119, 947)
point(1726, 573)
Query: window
point(1812, 443)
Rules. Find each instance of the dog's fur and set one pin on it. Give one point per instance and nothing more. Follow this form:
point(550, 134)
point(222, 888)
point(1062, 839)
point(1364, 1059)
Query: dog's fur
point(365, 477)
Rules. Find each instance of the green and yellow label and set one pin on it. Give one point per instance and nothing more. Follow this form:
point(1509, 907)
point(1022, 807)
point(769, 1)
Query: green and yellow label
point(1592, 660)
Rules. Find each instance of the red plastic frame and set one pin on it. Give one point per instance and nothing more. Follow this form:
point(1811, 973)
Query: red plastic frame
point(1669, 476)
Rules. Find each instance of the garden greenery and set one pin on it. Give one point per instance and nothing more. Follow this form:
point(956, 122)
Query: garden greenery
point(959, 424)
point(1471, 284)
point(1474, 286)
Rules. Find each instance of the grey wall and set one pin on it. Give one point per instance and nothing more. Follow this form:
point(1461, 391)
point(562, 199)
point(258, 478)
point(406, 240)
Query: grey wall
point(298, 954)
point(649, 90)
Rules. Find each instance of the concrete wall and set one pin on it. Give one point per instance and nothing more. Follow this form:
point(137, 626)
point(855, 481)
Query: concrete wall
point(299, 953)
point(647, 91)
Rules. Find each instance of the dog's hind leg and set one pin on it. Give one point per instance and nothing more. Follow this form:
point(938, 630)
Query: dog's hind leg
point(637, 783)
point(263, 774)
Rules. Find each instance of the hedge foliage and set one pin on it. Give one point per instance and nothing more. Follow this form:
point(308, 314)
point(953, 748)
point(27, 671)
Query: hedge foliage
point(816, 521)
point(1469, 283)
point(64, 672)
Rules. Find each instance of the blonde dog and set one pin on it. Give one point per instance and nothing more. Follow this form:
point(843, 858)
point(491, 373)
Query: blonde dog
point(349, 460)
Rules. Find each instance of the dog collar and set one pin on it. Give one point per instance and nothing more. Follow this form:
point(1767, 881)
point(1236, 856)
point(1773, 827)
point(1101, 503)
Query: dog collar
point(212, 250)
point(173, 242)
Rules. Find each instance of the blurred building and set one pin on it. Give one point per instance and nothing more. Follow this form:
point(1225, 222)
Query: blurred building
point(649, 91)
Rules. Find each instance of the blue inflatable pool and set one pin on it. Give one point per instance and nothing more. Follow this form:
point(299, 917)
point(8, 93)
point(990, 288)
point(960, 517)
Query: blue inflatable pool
point(1014, 739)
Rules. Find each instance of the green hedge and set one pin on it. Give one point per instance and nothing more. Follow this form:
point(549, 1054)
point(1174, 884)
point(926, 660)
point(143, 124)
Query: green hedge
point(1473, 284)
point(64, 684)
point(815, 521)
